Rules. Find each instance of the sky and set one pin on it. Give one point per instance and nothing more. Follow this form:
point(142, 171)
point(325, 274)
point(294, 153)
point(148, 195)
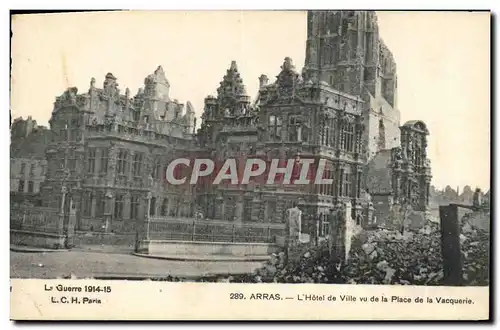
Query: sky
point(443, 61)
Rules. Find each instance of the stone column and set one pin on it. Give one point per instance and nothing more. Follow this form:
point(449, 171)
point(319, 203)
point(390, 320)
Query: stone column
point(70, 228)
point(147, 216)
point(333, 220)
point(64, 191)
point(358, 182)
point(293, 232)
point(93, 205)
point(316, 220)
point(108, 213)
point(111, 173)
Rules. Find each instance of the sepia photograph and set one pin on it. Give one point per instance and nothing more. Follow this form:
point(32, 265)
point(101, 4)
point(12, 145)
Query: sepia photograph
point(336, 148)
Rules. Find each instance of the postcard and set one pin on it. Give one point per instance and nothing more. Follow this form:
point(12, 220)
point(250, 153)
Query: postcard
point(250, 165)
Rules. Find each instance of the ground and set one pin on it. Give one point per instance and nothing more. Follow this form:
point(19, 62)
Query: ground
point(104, 264)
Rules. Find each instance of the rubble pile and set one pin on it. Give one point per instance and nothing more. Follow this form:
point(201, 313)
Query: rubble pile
point(389, 257)
point(381, 257)
point(311, 265)
point(475, 246)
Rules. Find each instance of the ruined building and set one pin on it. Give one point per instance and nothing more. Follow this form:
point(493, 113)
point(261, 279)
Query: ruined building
point(399, 178)
point(108, 158)
point(291, 119)
point(110, 153)
point(345, 50)
point(28, 163)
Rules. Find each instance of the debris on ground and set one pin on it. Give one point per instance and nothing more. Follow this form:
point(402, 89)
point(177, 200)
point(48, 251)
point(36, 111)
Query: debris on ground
point(382, 256)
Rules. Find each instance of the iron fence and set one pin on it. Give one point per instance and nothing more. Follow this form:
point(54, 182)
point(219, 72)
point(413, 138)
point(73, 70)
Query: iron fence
point(36, 219)
point(214, 231)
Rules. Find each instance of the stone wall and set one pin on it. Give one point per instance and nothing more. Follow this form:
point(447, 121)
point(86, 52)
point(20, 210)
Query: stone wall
point(37, 239)
point(183, 248)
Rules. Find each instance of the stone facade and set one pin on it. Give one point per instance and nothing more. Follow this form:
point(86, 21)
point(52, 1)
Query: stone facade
point(291, 119)
point(110, 153)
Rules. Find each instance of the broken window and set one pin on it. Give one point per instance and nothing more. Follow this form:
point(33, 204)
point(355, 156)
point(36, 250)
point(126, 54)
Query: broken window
point(91, 152)
point(137, 164)
point(100, 204)
point(20, 187)
point(122, 162)
point(348, 138)
point(275, 126)
point(295, 129)
point(87, 203)
point(118, 212)
point(134, 207)
point(347, 184)
point(104, 160)
point(247, 210)
point(152, 207)
point(30, 186)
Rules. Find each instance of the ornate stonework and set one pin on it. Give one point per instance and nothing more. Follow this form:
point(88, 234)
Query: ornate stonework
point(341, 109)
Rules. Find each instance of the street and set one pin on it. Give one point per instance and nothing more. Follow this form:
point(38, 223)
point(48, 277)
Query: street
point(83, 264)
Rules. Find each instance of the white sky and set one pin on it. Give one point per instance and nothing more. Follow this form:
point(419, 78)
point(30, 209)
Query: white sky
point(443, 61)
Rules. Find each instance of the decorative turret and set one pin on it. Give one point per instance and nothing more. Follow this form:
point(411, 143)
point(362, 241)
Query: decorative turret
point(209, 112)
point(288, 79)
point(110, 86)
point(263, 80)
point(232, 95)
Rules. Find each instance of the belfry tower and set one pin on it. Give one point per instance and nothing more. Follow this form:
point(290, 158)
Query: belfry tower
point(344, 50)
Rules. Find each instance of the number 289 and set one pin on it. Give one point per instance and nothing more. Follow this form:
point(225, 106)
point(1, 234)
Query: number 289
point(236, 295)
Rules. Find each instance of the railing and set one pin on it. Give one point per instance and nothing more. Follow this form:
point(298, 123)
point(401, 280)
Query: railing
point(36, 219)
point(214, 231)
